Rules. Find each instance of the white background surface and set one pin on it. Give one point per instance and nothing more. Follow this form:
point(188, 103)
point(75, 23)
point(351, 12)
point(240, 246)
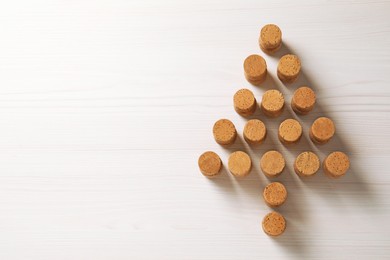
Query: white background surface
point(105, 107)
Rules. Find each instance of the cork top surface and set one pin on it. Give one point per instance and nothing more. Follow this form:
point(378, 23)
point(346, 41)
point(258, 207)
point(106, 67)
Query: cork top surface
point(272, 163)
point(254, 131)
point(270, 36)
point(290, 130)
point(336, 164)
point(275, 194)
point(304, 98)
point(289, 65)
point(244, 100)
point(322, 129)
point(209, 163)
point(239, 164)
point(272, 100)
point(274, 224)
point(224, 131)
point(255, 66)
point(307, 164)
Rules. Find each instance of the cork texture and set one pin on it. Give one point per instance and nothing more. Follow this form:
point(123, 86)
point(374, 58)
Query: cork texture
point(274, 224)
point(270, 39)
point(322, 130)
point(244, 102)
point(210, 164)
point(239, 164)
point(275, 194)
point(290, 131)
point(289, 67)
point(255, 69)
point(254, 131)
point(306, 164)
point(336, 164)
point(272, 103)
point(303, 100)
point(224, 132)
point(272, 163)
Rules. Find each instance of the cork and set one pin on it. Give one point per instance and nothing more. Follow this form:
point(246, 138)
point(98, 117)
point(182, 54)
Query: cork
point(224, 132)
point(272, 103)
point(239, 164)
point(244, 102)
point(288, 68)
point(275, 194)
point(322, 130)
point(270, 39)
point(306, 164)
point(303, 100)
point(255, 69)
point(290, 131)
point(274, 224)
point(336, 164)
point(254, 131)
point(272, 163)
point(210, 164)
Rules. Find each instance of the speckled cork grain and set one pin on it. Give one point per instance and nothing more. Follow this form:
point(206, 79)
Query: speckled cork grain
point(224, 132)
point(274, 224)
point(322, 130)
point(303, 100)
point(275, 194)
point(290, 131)
point(254, 131)
point(272, 163)
point(210, 164)
point(306, 164)
point(336, 164)
point(289, 67)
point(239, 164)
point(244, 102)
point(255, 69)
point(272, 103)
point(270, 39)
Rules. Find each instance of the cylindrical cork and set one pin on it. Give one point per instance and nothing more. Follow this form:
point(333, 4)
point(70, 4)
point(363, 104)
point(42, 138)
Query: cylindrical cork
point(239, 164)
point(288, 68)
point(270, 39)
point(224, 132)
point(290, 131)
point(272, 163)
point(336, 164)
point(272, 103)
point(210, 164)
point(303, 100)
point(244, 102)
point(306, 164)
point(322, 130)
point(275, 194)
point(255, 69)
point(254, 131)
point(274, 224)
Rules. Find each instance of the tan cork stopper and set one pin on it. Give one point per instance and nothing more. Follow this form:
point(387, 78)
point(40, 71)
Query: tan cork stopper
point(322, 130)
point(255, 69)
point(244, 102)
point(306, 164)
point(239, 164)
point(270, 39)
point(210, 164)
point(272, 163)
point(224, 132)
point(254, 131)
point(336, 164)
point(272, 103)
point(275, 194)
point(288, 68)
point(274, 224)
point(303, 100)
point(290, 131)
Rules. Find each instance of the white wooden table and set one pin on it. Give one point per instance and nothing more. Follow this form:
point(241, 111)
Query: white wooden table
point(106, 106)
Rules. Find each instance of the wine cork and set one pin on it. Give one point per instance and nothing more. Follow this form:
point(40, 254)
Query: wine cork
point(254, 131)
point(244, 102)
point(272, 163)
point(322, 130)
point(239, 164)
point(290, 131)
point(275, 194)
point(336, 164)
point(255, 69)
point(224, 132)
point(288, 68)
point(303, 100)
point(210, 164)
point(272, 103)
point(270, 39)
point(274, 224)
point(306, 164)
